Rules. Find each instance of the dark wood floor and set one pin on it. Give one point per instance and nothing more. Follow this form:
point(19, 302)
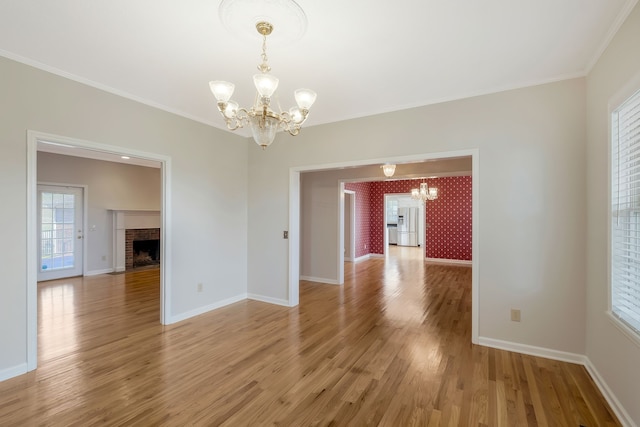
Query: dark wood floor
point(391, 347)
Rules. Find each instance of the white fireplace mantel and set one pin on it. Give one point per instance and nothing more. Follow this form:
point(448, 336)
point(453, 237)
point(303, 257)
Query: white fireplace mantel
point(124, 219)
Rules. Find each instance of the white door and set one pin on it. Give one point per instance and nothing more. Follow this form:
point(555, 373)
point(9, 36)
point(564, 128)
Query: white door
point(60, 232)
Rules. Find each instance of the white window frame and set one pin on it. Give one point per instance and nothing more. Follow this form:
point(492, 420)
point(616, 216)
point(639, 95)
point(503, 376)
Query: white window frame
point(630, 91)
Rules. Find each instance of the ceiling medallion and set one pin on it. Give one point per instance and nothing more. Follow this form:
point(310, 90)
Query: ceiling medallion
point(239, 17)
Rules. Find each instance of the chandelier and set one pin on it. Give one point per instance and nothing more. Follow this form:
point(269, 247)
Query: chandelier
point(424, 193)
point(263, 120)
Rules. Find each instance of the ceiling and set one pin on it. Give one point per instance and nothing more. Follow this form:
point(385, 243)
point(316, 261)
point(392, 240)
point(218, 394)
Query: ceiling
point(362, 57)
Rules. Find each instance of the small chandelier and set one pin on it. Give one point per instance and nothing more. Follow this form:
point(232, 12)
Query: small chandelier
point(424, 193)
point(264, 121)
point(388, 170)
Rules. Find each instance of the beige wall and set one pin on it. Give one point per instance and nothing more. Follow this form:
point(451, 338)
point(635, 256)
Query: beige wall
point(532, 199)
point(208, 182)
point(616, 357)
point(109, 186)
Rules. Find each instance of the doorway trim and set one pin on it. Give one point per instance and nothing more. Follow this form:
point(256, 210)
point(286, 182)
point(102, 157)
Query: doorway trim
point(32, 182)
point(352, 223)
point(294, 221)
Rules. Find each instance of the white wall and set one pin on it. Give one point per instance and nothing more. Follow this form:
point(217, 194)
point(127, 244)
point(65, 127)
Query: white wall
point(109, 186)
point(532, 199)
point(615, 356)
point(208, 181)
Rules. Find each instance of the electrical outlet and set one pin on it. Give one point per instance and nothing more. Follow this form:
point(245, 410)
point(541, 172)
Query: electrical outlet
point(199, 287)
point(515, 315)
point(285, 234)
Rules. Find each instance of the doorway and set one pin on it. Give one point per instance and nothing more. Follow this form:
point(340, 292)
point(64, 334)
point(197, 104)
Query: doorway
point(33, 138)
point(401, 229)
point(349, 225)
point(295, 223)
point(60, 232)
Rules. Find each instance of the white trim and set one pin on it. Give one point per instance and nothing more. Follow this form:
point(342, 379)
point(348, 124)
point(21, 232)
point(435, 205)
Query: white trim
point(109, 89)
point(99, 272)
point(362, 258)
point(352, 237)
point(613, 30)
point(320, 280)
point(31, 256)
point(294, 218)
point(32, 253)
point(13, 371)
point(340, 251)
point(612, 400)
point(262, 298)
point(475, 246)
point(201, 310)
point(449, 261)
point(533, 350)
point(623, 327)
point(294, 238)
point(376, 255)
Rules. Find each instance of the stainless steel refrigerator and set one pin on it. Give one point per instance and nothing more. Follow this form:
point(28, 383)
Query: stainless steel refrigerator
point(408, 227)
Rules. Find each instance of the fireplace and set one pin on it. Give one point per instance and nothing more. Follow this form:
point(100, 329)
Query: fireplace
point(142, 247)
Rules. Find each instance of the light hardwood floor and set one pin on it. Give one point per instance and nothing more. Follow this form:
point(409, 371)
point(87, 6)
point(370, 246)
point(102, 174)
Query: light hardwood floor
point(390, 347)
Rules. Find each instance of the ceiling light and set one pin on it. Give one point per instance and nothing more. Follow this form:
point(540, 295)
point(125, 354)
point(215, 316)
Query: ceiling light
point(125, 157)
point(424, 193)
point(263, 120)
point(388, 170)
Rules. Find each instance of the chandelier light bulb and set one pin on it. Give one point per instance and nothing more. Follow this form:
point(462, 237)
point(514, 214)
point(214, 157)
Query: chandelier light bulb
point(296, 115)
point(305, 98)
point(266, 84)
point(231, 110)
point(222, 90)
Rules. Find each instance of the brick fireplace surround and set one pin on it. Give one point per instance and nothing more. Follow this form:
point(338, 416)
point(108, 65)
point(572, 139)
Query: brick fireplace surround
point(132, 235)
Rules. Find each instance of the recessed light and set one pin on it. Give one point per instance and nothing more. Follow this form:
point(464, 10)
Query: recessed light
point(125, 157)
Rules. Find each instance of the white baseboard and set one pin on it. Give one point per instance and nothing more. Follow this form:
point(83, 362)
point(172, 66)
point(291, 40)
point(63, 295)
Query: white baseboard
point(376, 255)
point(119, 269)
point(201, 310)
point(533, 350)
point(319, 280)
point(563, 356)
point(98, 272)
point(14, 371)
point(270, 300)
point(612, 400)
point(449, 261)
point(362, 258)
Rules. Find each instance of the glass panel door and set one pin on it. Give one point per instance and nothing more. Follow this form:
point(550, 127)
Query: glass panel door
point(60, 232)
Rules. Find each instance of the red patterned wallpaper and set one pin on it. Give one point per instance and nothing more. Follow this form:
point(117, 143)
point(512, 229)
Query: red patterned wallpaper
point(363, 216)
point(449, 219)
point(449, 216)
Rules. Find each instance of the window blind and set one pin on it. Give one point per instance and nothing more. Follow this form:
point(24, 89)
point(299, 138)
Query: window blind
point(625, 222)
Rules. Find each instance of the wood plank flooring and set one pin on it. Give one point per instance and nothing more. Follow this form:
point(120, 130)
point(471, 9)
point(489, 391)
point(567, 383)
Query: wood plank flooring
point(392, 347)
